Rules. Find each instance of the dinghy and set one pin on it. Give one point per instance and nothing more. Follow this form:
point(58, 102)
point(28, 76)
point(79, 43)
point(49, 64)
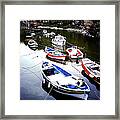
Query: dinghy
point(56, 55)
point(91, 69)
point(63, 82)
point(32, 44)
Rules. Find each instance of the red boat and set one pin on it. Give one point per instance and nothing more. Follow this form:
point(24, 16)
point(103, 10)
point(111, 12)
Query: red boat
point(56, 55)
point(91, 69)
point(73, 52)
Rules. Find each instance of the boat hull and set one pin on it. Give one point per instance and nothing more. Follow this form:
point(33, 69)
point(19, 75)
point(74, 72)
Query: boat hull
point(56, 57)
point(56, 60)
point(90, 74)
point(57, 79)
point(81, 95)
point(47, 83)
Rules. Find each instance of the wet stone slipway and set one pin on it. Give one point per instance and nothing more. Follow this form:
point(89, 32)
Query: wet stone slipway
point(31, 79)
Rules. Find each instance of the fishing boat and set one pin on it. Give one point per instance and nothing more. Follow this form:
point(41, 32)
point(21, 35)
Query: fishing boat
point(74, 52)
point(32, 44)
point(63, 82)
point(91, 69)
point(56, 55)
point(59, 40)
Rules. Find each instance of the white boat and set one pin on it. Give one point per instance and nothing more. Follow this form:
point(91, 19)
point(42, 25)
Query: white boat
point(63, 82)
point(74, 52)
point(59, 40)
point(32, 44)
point(92, 69)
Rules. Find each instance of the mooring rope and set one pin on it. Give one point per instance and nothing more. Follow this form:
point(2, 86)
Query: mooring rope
point(32, 72)
point(75, 68)
point(96, 94)
point(29, 72)
point(33, 66)
point(41, 80)
point(48, 93)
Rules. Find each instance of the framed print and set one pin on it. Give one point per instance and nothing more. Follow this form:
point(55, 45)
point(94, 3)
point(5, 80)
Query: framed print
point(59, 59)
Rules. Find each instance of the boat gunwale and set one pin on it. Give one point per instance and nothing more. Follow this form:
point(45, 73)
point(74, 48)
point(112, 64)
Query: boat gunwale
point(63, 88)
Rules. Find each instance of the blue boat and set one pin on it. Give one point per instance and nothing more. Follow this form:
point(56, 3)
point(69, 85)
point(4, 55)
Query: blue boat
point(55, 55)
point(63, 82)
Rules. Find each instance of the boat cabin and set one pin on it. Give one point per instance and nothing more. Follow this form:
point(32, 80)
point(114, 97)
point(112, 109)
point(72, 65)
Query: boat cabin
point(59, 40)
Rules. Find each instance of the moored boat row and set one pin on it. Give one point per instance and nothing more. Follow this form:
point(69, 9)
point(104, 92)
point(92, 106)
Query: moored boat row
point(91, 68)
point(69, 54)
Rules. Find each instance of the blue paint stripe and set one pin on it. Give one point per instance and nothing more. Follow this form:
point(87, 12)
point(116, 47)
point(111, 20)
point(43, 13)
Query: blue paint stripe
point(66, 74)
point(76, 87)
